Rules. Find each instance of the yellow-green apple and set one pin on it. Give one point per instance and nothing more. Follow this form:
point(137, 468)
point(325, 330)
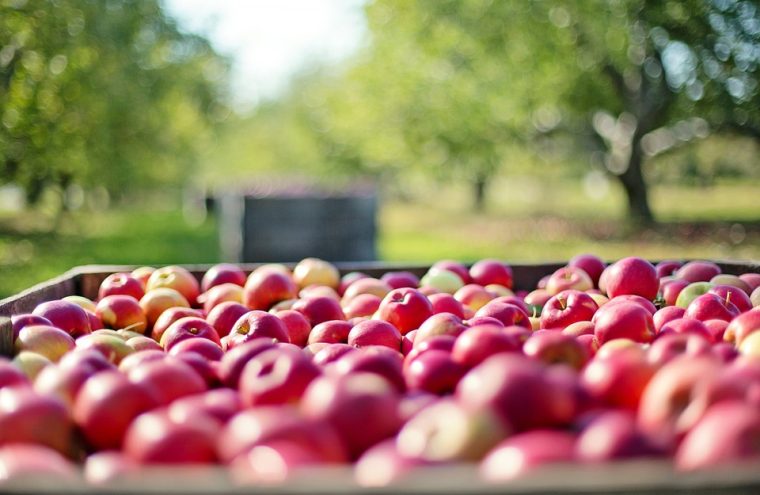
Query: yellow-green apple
point(156, 301)
point(737, 297)
point(276, 376)
point(553, 347)
point(711, 306)
point(669, 346)
point(154, 438)
point(632, 275)
point(455, 267)
point(119, 311)
point(434, 371)
point(49, 341)
point(27, 462)
point(473, 296)
point(375, 332)
point(666, 314)
point(400, 279)
point(499, 290)
point(491, 271)
point(167, 379)
point(733, 281)
point(27, 416)
point(177, 278)
point(222, 273)
point(10, 375)
point(742, 326)
point(361, 305)
point(123, 284)
point(442, 280)
point(235, 359)
point(314, 271)
point(30, 363)
point(330, 332)
point(190, 327)
point(345, 402)
point(750, 345)
point(698, 271)
point(590, 264)
point(671, 290)
point(447, 431)
point(568, 277)
point(266, 287)
point(569, 306)
point(691, 292)
point(667, 268)
point(599, 299)
point(536, 299)
point(405, 309)
point(623, 320)
point(319, 309)
point(256, 325)
point(612, 435)
point(20, 321)
point(66, 316)
point(520, 391)
point(755, 297)
point(618, 378)
point(296, 324)
point(219, 294)
point(520, 454)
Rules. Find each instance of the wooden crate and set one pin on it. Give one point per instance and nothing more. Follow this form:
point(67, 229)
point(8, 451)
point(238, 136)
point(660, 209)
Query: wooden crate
point(629, 477)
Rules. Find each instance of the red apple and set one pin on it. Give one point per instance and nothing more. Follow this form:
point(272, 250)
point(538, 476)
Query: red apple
point(276, 376)
point(630, 298)
point(524, 452)
point(168, 379)
point(207, 348)
point(434, 371)
point(362, 305)
point(222, 273)
point(751, 279)
point(667, 268)
point(90, 359)
point(256, 325)
point(273, 463)
point(154, 438)
point(405, 309)
point(477, 343)
point(446, 303)
point(266, 287)
point(717, 329)
point(348, 279)
point(508, 314)
point(698, 271)
point(742, 326)
point(49, 341)
point(439, 324)
point(375, 359)
point(121, 311)
point(157, 301)
point(672, 289)
point(62, 383)
point(375, 332)
point(688, 326)
point(20, 321)
point(491, 271)
point(29, 417)
point(383, 465)
point(331, 353)
point(222, 317)
point(171, 315)
point(235, 359)
point(143, 273)
point(623, 320)
point(188, 328)
point(669, 346)
point(113, 347)
point(731, 294)
point(109, 466)
point(30, 462)
point(366, 285)
point(590, 264)
point(632, 276)
point(567, 307)
point(666, 314)
point(106, 405)
point(331, 332)
point(122, 284)
point(138, 359)
point(711, 307)
point(613, 435)
point(319, 309)
point(65, 315)
point(177, 278)
point(619, 378)
point(219, 294)
point(221, 404)
point(400, 279)
point(552, 347)
point(567, 278)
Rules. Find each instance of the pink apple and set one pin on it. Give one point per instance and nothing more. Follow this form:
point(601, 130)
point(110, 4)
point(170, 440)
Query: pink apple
point(401, 279)
point(619, 378)
point(405, 309)
point(120, 311)
point(331, 353)
point(434, 371)
point(297, 325)
point(65, 315)
point(751, 279)
point(624, 320)
point(567, 307)
point(362, 305)
point(566, 278)
point(154, 438)
point(138, 359)
point(267, 287)
point(223, 273)
point(672, 289)
point(731, 294)
point(439, 324)
point(491, 271)
point(379, 360)
point(11, 376)
point(710, 306)
point(207, 348)
point(524, 452)
point(348, 279)
point(590, 264)
point(631, 298)
point(276, 376)
point(667, 268)
point(219, 294)
point(666, 314)
point(717, 329)
point(366, 285)
point(698, 271)
point(223, 317)
point(319, 309)
point(221, 404)
point(122, 284)
point(446, 303)
point(508, 314)
point(579, 328)
point(669, 346)
point(734, 281)
point(383, 465)
point(552, 347)
point(331, 332)
point(188, 328)
point(169, 316)
point(109, 466)
point(375, 332)
point(22, 462)
point(688, 326)
point(256, 325)
point(168, 379)
point(613, 435)
point(235, 359)
point(29, 417)
point(632, 276)
point(273, 463)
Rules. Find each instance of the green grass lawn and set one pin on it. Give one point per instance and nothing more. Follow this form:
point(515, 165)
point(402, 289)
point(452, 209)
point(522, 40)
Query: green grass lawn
point(524, 222)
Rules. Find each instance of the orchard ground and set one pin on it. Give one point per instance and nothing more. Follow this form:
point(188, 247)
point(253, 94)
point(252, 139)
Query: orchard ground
point(528, 222)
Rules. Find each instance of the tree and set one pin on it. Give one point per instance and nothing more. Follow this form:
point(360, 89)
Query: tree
point(102, 93)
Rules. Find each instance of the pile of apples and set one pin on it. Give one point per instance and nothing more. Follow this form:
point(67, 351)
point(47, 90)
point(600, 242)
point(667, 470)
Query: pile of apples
point(280, 370)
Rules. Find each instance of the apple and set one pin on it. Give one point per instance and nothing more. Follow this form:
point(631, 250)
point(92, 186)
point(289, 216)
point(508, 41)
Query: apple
point(732, 281)
point(717, 329)
point(219, 294)
point(20, 321)
point(348, 279)
point(438, 342)
point(49, 341)
point(688, 326)
point(138, 359)
point(141, 343)
point(750, 345)
point(177, 278)
point(552, 347)
point(383, 465)
point(190, 327)
point(630, 298)
point(319, 309)
point(11, 376)
point(491, 271)
point(755, 297)
point(568, 277)
point(266, 287)
point(167, 379)
point(442, 280)
point(567, 307)
point(711, 307)
point(154, 438)
point(742, 326)
point(121, 284)
point(751, 279)
point(235, 359)
point(536, 299)
point(666, 314)
point(30, 462)
point(366, 285)
point(106, 405)
point(446, 303)
point(455, 267)
point(669, 346)
point(671, 290)
point(331, 353)
point(698, 271)
point(375, 332)
point(221, 404)
point(80, 358)
point(519, 390)
point(590, 264)
point(434, 371)
point(331, 332)
point(297, 326)
point(120, 311)
point(730, 428)
point(473, 296)
point(737, 297)
point(80, 301)
point(508, 314)
point(632, 275)
point(405, 309)
point(691, 292)
point(113, 347)
point(156, 301)
point(361, 305)
point(623, 320)
point(314, 271)
point(65, 315)
point(400, 279)
point(171, 315)
point(29, 417)
point(276, 376)
point(375, 359)
point(222, 273)
point(579, 328)
point(439, 324)
point(109, 466)
point(256, 325)
point(612, 435)
point(618, 378)
point(142, 274)
point(667, 268)
point(345, 402)
point(525, 452)
point(273, 463)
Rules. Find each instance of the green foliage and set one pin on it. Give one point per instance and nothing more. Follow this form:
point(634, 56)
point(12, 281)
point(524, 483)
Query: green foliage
point(102, 93)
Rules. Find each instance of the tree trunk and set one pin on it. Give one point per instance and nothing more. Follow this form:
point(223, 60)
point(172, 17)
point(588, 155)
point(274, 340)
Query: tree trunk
point(479, 192)
point(636, 191)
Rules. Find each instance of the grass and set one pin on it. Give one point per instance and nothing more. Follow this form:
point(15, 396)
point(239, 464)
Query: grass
point(525, 221)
